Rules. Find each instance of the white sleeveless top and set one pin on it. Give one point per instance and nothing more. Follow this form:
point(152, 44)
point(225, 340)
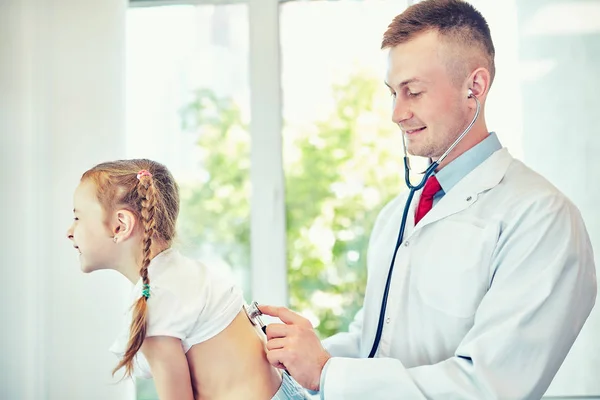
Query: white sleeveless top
point(188, 300)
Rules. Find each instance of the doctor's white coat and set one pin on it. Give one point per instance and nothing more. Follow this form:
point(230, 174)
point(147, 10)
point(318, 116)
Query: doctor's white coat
point(488, 294)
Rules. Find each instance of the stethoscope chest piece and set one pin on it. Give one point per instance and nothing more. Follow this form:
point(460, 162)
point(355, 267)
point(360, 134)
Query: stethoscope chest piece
point(253, 313)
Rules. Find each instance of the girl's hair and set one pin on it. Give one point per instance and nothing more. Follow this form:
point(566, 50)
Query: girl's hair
point(154, 200)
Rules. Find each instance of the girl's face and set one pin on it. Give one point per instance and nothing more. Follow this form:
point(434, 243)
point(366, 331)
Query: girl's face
point(89, 233)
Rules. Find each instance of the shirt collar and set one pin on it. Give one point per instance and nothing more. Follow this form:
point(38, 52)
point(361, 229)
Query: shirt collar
point(157, 265)
point(452, 173)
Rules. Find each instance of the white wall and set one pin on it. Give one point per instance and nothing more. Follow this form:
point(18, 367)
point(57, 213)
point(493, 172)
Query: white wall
point(559, 41)
point(62, 105)
point(19, 310)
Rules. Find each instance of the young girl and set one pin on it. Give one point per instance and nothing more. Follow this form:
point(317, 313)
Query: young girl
point(187, 320)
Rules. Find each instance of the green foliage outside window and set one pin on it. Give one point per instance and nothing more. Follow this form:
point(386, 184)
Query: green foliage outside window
point(339, 173)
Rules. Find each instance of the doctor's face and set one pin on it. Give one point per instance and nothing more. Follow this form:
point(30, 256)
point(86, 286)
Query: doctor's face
point(429, 105)
point(89, 234)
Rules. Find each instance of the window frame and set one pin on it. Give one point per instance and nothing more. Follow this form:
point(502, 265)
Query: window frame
point(268, 261)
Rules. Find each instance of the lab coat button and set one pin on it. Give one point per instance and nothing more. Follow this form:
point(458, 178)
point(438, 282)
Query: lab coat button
point(469, 198)
point(387, 321)
point(406, 244)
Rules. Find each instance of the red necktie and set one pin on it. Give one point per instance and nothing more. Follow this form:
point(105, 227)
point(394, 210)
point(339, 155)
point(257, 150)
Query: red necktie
point(432, 186)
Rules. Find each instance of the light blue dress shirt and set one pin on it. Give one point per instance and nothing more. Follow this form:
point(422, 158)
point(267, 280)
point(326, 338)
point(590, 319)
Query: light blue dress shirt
point(452, 173)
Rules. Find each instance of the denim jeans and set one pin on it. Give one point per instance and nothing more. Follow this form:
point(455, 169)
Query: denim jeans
point(290, 390)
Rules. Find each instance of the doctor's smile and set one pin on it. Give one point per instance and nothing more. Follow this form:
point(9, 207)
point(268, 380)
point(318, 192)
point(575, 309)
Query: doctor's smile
point(413, 131)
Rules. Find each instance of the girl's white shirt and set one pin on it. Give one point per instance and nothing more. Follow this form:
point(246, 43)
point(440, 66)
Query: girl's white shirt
point(188, 300)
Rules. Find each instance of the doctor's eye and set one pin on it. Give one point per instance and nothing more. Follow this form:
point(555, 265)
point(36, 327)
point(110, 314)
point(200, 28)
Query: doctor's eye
point(411, 94)
point(75, 219)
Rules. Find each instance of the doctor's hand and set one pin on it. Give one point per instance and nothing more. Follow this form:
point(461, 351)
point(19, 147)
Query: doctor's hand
point(294, 345)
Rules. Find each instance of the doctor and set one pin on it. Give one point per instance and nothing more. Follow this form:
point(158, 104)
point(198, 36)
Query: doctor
point(494, 276)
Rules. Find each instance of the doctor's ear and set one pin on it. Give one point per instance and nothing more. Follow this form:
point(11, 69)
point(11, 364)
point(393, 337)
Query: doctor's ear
point(479, 84)
point(123, 225)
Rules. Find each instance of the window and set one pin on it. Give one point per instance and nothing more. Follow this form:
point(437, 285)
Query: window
point(341, 152)
point(188, 107)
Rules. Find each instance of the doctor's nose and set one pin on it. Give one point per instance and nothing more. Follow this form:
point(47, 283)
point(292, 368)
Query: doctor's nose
point(401, 112)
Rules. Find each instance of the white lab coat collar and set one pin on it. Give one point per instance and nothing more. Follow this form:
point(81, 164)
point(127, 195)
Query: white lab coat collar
point(485, 176)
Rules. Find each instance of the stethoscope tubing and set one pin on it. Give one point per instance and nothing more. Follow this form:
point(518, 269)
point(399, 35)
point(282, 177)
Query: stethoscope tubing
point(413, 188)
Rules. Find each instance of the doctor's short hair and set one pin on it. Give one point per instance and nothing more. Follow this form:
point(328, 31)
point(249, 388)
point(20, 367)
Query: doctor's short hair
point(455, 20)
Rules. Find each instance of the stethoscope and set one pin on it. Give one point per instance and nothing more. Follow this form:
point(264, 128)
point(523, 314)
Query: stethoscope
point(253, 313)
point(413, 188)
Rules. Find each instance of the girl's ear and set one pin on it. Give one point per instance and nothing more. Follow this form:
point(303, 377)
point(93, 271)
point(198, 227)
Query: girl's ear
point(123, 225)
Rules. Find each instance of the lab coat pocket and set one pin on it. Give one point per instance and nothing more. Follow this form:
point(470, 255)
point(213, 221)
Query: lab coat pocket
point(453, 277)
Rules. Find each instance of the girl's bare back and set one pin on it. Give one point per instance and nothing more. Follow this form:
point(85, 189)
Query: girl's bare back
point(233, 365)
